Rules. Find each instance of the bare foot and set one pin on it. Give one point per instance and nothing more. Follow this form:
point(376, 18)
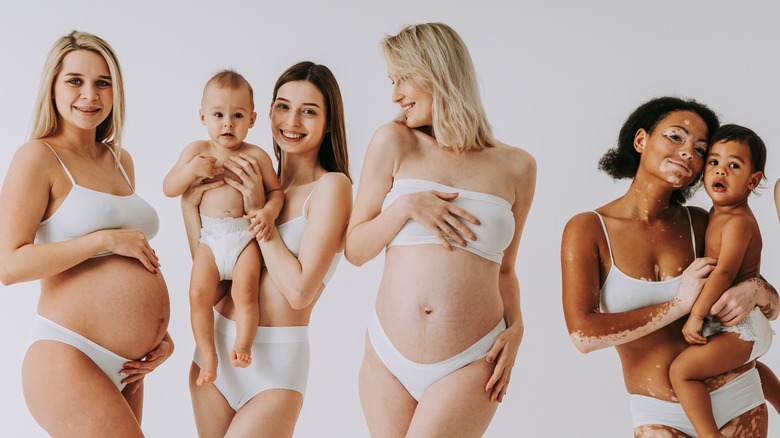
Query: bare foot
point(240, 358)
point(208, 372)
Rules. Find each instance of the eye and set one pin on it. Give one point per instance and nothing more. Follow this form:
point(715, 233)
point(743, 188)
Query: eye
point(102, 84)
point(712, 162)
point(238, 115)
point(701, 150)
point(282, 106)
point(75, 81)
point(218, 115)
point(309, 112)
point(734, 165)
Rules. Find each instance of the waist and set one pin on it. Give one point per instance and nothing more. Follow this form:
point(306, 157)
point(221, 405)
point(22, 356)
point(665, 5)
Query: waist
point(223, 201)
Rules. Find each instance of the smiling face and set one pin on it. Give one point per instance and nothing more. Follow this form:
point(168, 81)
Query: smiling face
point(228, 113)
point(728, 173)
point(82, 91)
point(675, 149)
point(416, 104)
point(299, 117)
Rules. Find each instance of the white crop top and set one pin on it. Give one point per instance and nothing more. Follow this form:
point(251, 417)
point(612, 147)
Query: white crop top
point(291, 233)
point(494, 234)
point(85, 210)
point(622, 293)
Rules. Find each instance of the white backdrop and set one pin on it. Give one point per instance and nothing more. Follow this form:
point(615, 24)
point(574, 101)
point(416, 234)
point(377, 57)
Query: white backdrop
point(558, 79)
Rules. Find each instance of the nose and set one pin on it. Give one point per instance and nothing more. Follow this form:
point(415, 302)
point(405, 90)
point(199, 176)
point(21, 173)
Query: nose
point(293, 118)
point(686, 151)
point(227, 122)
point(720, 170)
point(89, 91)
point(396, 95)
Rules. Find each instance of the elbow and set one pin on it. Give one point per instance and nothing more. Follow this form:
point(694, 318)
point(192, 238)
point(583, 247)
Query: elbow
point(7, 276)
point(583, 344)
point(583, 348)
point(356, 259)
point(299, 299)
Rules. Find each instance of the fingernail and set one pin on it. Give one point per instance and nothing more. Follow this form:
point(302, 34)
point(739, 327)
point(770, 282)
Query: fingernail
point(148, 357)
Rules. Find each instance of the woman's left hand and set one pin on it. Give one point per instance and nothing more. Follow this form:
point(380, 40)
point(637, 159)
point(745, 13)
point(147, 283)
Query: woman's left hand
point(503, 354)
point(136, 370)
point(248, 170)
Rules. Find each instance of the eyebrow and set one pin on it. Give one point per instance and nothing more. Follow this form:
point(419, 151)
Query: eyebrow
point(81, 75)
point(305, 103)
point(687, 132)
point(732, 156)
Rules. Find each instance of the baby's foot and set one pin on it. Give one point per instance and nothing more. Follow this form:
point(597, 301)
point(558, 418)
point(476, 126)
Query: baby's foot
point(240, 357)
point(208, 372)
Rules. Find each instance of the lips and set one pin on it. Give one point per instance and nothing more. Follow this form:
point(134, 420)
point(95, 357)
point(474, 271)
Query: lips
point(684, 168)
point(292, 135)
point(87, 110)
point(407, 107)
point(718, 185)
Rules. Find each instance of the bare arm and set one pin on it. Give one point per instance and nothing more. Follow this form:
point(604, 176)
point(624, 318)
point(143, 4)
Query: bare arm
point(371, 229)
point(300, 279)
point(25, 197)
point(189, 210)
point(590, 329)
point(191, 166)
point(505, 348)
point(256, 172)
point(740, 299)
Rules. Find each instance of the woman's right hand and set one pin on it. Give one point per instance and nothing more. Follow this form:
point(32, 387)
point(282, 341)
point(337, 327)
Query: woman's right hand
point(693, 279)
point(132, 243)
point(194, 193)
point(435, 211)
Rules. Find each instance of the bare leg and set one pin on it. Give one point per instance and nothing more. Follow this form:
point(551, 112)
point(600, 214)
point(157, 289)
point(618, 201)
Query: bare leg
point(135, 401)
point(69, 396)
point(770, 385)
point(456, 405)
point(212, 412)
point(723, 352)
point(387, 405)
point(203, 295)
point(272, 413)
point(246, 277)
point(752, 424)
point(658, 431)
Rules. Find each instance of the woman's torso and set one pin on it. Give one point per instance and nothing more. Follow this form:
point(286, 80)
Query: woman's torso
point(112, 300)
point(434, 303)
point(275, 309)
point(642, 264)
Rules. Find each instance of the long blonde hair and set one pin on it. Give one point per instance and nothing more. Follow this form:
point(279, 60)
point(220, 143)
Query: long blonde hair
point(45, 118)
point(435, 58)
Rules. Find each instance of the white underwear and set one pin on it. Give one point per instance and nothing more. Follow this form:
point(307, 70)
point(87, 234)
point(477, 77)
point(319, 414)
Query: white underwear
point(753, 328)
point(728, 402)
point(417, 377)
point(280, 360)
point(226, 237)
point(111, 363)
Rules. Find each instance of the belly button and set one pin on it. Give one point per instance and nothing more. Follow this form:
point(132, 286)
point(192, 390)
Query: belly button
point(428, 310)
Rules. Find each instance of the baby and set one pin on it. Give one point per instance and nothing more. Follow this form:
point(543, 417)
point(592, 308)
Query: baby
point(733, 169)
point(226, 249)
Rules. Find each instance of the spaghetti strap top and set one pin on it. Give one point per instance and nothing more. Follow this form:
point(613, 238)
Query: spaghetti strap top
point(622, 293)
point(291, 233)
point(85, 210)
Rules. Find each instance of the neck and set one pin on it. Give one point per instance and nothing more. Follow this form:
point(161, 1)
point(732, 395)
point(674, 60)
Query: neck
point(648, 200)
point(300, 169)
point(75, 139)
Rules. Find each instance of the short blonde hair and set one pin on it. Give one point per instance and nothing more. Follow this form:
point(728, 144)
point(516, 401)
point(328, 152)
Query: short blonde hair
point(45, 118)
point(434, 57)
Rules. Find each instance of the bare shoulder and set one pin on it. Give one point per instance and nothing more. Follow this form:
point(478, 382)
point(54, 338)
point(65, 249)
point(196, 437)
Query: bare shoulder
point(335, 182)
point(255, 152)
point(35, 150)
point(196, 147)
point(517, 164)
point(585, 223)
point(394, 137)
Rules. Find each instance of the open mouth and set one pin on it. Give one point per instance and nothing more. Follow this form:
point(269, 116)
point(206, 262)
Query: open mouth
point(87, 110)
point(407, 107)
point(292, 135)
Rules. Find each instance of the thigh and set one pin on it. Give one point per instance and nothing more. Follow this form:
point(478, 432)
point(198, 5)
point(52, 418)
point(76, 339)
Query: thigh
point(246, 272)
point(657, 431)
point(212, 412)
point(752, 424)
point(722, 352)
point(70, 396)
point(387, 406)
point(272, 413)
point(204, 276)
point(456, 405)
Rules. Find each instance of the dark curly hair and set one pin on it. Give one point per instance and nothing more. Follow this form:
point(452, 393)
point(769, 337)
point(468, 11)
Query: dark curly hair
point(622, 161)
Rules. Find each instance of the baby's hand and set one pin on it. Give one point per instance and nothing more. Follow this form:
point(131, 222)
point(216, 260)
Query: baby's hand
point(262, 223)
point(204, 167)
point(692, 331)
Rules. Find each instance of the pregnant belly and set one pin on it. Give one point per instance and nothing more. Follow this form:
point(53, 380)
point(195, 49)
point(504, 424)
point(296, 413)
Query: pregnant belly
point(113, 301)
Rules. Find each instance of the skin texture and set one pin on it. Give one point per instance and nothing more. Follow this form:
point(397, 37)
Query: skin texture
point(651, 241)
point(228, 114)
point(434, 301)
point(289, 286)
point(65, 391)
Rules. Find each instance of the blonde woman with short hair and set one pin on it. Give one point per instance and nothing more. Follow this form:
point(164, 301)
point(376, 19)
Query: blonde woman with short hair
point(449, 202)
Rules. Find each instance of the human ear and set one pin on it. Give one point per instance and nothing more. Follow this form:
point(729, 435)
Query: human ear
point(639, 140)
point(202, 116)
point(252, 119)
point(755, 179)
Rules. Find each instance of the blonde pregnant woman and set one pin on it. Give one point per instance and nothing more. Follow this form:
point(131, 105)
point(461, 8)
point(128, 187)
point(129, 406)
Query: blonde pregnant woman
point(449, 202)
point(71, 219)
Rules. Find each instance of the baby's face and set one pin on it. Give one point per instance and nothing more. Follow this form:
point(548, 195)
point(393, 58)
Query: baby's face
point(728, 173)
point(228, 114)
